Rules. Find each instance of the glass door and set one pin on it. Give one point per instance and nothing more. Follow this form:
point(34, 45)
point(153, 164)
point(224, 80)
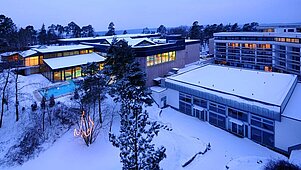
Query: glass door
point(237, 129)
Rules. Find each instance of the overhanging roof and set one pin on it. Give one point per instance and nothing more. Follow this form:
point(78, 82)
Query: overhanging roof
point(71, 61)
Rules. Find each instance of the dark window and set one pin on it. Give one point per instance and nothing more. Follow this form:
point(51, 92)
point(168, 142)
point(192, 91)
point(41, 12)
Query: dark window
point(256, 135)
point(256, 123)
point(200, 102)
point(217, 120)
point(185, 108)
point(221, 122)
point(262, 123)
point(212, 107)
point(238, 114)
point(268, 139)
point(212, 118)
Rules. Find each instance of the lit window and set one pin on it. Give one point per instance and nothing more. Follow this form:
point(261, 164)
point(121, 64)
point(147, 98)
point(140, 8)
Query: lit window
point(57, 76)
point(32, 61)
point(158, 59)
point(164, 57)
point(100, 66)
point(78, 72)
point(150, 60)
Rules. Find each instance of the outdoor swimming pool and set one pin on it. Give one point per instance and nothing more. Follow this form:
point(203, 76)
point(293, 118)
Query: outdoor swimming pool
point(58, 91)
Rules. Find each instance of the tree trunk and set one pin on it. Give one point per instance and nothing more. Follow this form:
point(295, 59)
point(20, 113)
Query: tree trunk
point(3, 99)
point(49, 116)
point(99, 110)
point(17, 101)
point(43, 121)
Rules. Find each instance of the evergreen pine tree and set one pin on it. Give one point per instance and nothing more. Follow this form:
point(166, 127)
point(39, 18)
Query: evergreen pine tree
point(136, 131)
point(42, 36)
point(111, 29)
point(195, 31)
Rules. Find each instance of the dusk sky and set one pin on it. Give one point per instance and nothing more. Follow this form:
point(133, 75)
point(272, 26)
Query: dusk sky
point(152, 13)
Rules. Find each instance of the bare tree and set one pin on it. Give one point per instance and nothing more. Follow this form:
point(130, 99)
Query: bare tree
point(4, 99)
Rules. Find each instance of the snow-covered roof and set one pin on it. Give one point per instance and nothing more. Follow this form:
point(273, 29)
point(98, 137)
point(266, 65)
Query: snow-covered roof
point(266, 87)
point(134, 42)
point(159, 40)
point(75, 60)
point(295, 157)
point(191, 40)
point(49, 49)
point(259, 34)
point(293, 106)
point(107, 37)
point(157, 89)
point(6, 54)
point(27, 53)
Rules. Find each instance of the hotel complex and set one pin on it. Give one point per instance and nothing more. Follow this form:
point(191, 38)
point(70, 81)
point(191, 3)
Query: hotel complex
point(157, 57)
point(277, 51)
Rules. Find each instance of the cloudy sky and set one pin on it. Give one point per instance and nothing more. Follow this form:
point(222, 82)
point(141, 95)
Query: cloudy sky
point(128, 14)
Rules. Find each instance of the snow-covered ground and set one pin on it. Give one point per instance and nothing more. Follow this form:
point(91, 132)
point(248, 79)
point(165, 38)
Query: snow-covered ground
point(188, 137)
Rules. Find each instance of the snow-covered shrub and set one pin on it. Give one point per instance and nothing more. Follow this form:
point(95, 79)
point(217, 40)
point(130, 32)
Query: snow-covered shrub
point(29, 144)
point(34, 106)
point(51, 101)
point(281, 165)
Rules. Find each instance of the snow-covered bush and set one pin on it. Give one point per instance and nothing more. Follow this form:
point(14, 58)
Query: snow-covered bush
point(34, 106)
point(281, 165)
point(23, 151)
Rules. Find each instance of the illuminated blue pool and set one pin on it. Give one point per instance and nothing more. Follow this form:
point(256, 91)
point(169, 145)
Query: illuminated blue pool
point(59, 90)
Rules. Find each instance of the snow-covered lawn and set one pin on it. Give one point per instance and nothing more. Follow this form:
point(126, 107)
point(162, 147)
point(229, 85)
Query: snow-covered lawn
point(188, 137)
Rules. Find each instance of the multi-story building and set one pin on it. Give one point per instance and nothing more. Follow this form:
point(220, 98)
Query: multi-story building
point(157, 57)
point(262, 106)
point(271, 51)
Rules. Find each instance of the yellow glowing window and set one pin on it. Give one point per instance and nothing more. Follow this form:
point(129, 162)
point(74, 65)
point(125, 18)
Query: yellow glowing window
point(100, 66)
point(57, 76)
point(172, 56)
point(158, 59)
point(68, 74)
point(150, 60)
point(91, 51)
point(164, 57)
point(83, 51)
point(32, 61)
point(78, 72)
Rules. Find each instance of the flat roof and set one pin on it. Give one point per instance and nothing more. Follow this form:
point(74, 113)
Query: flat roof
point(71, 61)
point(260, 34)
point(293, 107)
point(49, 49)
point(265, 87)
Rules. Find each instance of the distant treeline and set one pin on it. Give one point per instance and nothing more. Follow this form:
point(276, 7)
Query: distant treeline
point(14, 39)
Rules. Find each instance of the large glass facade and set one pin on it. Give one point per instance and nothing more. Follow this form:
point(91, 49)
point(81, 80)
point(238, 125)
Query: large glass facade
point(160, 58)
point(241, 123)
point(262, 130)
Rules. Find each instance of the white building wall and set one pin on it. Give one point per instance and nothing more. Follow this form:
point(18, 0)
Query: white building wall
point(287, 133)
point(172, 98)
